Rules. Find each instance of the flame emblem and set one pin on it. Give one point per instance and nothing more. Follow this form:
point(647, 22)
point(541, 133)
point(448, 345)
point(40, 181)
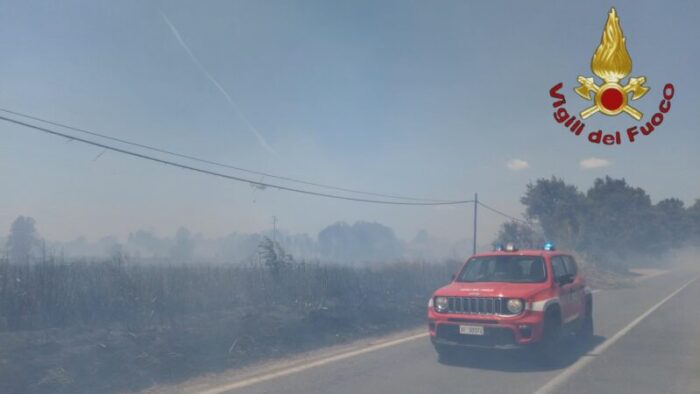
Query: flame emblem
point(611, 62)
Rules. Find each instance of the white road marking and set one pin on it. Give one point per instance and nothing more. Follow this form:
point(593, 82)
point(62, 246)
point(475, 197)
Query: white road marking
point(314, 364)
point(560, 379)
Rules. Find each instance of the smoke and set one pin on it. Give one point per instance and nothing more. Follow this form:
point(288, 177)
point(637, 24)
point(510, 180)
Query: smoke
point(216, 84)
point(685, 258)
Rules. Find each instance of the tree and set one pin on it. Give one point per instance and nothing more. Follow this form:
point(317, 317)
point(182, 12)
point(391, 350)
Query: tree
point(335, 241)
point(619, 224)
point(523, 235)
point(273, 256)
point(694, 217)
point(558, 208)
point(675, 223)
point(613, 224)
point(23, 240)
point(361, 242)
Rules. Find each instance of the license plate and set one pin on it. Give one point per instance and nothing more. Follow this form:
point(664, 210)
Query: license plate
point(471, 330)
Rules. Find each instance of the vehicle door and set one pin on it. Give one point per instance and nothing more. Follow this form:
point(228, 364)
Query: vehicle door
point(578, 294)
point(563, 290)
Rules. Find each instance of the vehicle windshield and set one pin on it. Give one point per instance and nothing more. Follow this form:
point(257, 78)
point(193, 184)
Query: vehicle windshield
point(515, 269)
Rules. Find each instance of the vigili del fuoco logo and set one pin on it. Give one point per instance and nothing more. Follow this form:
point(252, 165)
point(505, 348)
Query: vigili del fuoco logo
point(612, 64)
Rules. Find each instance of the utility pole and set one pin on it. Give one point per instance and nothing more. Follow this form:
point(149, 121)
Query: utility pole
point(476, 202)
point(274, 229)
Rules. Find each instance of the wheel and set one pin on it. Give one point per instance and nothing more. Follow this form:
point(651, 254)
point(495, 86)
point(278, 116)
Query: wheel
point(548, 348)
point(585, 332)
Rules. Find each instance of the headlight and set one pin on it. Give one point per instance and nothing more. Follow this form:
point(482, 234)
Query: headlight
point(440, 304)
point(514, 306)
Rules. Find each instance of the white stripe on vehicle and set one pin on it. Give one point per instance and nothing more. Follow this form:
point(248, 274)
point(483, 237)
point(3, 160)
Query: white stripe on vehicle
point(540, 306)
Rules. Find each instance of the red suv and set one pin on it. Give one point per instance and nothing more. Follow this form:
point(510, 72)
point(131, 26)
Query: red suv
point(509, 299)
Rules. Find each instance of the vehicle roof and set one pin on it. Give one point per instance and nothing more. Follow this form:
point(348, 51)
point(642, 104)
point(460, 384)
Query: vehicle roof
point(522, 252)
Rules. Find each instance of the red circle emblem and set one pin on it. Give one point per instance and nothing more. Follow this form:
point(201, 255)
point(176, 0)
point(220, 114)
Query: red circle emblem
point(612, 99)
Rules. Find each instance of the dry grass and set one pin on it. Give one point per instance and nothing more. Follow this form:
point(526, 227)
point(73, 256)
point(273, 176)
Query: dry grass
point(142, 296)
point(107, 327)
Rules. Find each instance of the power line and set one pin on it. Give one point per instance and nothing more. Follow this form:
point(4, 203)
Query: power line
point(224, 165)
point(494, 210)
point(218, 174)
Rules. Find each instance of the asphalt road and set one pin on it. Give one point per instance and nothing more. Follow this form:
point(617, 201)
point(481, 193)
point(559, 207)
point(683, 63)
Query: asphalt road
point(641, 346)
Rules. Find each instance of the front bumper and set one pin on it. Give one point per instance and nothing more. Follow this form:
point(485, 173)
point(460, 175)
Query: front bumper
point(493, 338)
point(499, 332)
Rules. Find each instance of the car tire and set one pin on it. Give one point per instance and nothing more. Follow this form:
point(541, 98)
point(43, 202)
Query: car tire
point(586, 330)
point(548, 348)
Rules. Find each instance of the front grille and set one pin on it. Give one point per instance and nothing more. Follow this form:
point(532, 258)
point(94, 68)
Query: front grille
point(477, 321)
point(477, 305)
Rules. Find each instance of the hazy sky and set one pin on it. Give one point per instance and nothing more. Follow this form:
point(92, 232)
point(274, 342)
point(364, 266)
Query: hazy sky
point(427, 99)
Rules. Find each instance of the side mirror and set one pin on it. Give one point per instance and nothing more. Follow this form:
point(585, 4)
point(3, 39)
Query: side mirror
point(565, 279)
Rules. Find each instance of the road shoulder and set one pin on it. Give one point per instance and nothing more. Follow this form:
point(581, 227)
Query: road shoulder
point(272, 368)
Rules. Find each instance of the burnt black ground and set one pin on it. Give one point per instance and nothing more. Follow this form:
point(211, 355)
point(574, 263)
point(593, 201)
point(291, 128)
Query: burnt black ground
point(115, 359)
